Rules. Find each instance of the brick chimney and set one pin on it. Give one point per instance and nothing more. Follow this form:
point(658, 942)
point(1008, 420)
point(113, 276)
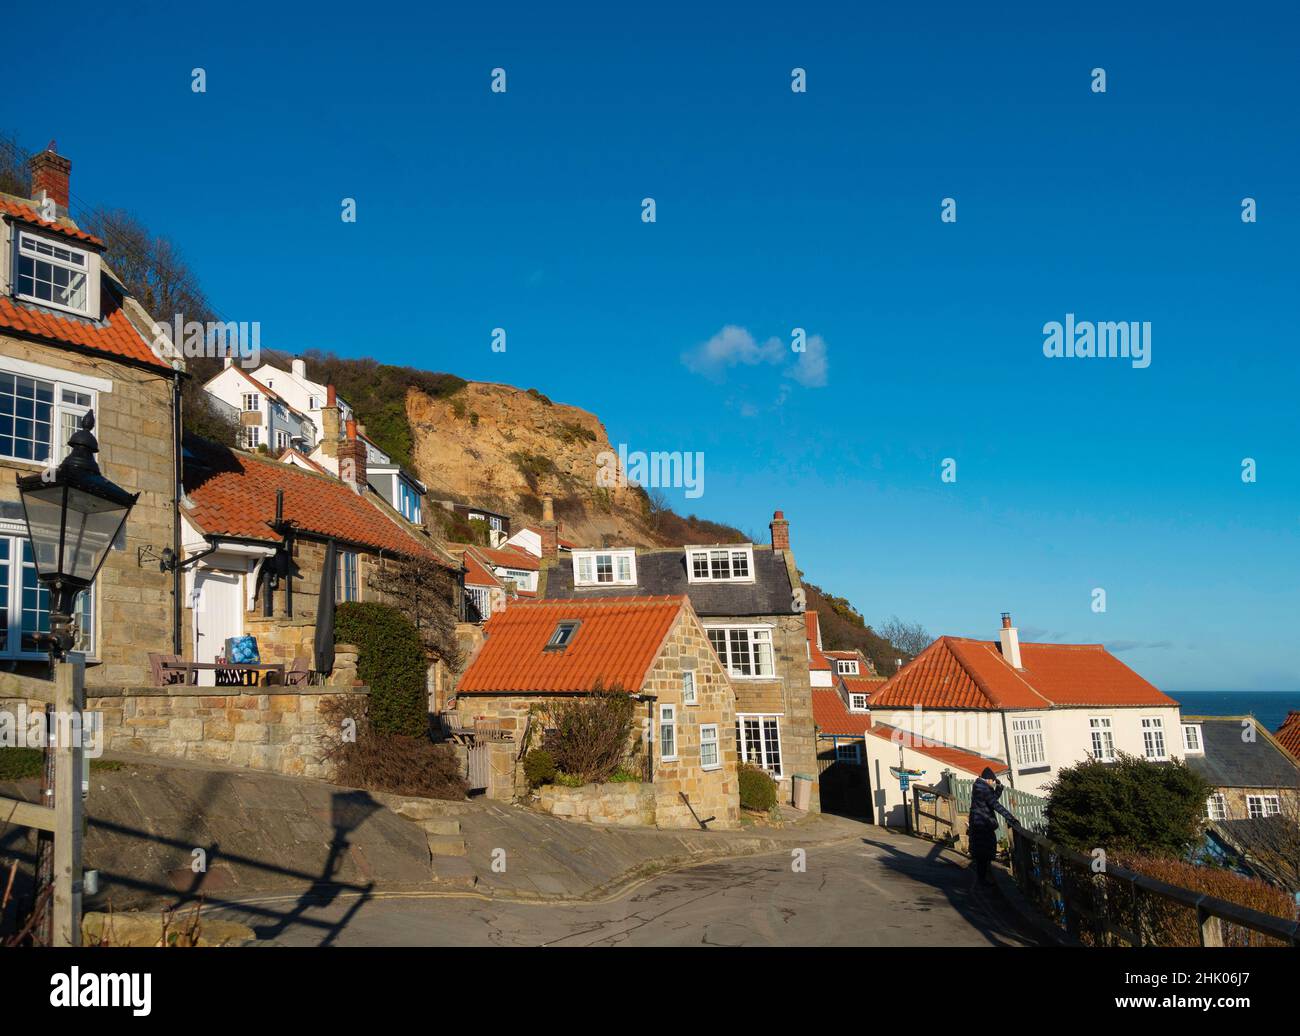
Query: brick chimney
point(1010, 642)
point(329, 424)
point(550, 529)
point(50, 176)
point(352, 459)
point(780, 531)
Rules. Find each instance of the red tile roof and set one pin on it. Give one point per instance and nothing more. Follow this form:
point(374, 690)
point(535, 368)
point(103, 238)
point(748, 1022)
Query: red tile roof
point(862, 684)
point(233, 494)
point(817, 660)
point(1288, 734)
point(616, 643)
point(957, 758)
point(957, 673)
point(114, 335)
point(476, 573)
point(511, 557)
point(27, 212)
point(833, 717)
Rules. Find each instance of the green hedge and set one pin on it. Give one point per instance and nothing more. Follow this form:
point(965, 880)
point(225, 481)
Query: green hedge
point(757, 789)
point(392, 663)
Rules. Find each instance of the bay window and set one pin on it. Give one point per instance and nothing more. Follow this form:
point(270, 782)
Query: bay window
point(745, 651)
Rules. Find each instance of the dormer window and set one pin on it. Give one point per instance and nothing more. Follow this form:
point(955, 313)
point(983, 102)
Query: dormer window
point(52, 274)
point(857, 703)
point(563, 635)
point(604, 568)
point(720, 564)
point(846, 666)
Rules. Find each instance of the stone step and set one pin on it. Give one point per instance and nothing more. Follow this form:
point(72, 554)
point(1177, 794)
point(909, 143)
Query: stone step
point(446, 845)
point(441, 826)
point(454, 872)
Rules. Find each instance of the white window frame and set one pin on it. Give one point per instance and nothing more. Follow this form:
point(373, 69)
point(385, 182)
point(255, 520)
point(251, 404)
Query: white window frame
point(1153, 737)
point(690, 688)
point(1101, 739)
point(1197, 735)
point(668, 726)
point(15, 533)
point(281, 439)
point(762, 759)
point(1217, 804)
point(255, 398)
point(1258, 807)
point(1030, 741)
point(342, 585)
point(856, 755)
point(854, 704)
point(749, 630)
point(252, 436)
point(59, 407)
point(85, 270)
point(847, 667)
point(622, 567)
point(729, 553)
point(709, 736)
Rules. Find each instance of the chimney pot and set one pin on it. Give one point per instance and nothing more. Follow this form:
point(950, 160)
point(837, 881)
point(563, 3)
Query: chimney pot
point(548, 509)
point(1006, 620)
point(331, 398)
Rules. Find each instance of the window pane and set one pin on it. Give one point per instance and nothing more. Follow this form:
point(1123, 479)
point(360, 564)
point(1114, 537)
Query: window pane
point(721, 568)
point(700, 565)
point(772, 743)
point(718, 638)
point(5, 583)
point(739, 565)
point(624, 568)
point(740, 661)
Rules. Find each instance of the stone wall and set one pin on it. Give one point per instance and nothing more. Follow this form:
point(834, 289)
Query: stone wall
point(625, 804)
point(133, 602)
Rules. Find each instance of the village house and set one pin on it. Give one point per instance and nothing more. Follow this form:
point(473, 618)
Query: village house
point(257, 533)
point(1034, 708)
point(748, 598)
point(654, 648)
point(72, 341)
point(302, 393)
point(496, 524)
point(267, 421)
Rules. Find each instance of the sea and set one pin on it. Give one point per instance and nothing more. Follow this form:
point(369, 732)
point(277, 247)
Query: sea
point(1269, 707)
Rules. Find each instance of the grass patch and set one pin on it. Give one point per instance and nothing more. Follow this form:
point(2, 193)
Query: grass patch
point(21, 764)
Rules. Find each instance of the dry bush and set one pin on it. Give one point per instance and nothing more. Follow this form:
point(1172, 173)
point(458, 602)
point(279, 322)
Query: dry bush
point(1171, 924)
point(381, 761)
point(589, 736)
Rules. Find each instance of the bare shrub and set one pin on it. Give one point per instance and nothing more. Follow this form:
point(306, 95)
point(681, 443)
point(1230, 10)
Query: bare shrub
point(589, 736)
point(382, 761)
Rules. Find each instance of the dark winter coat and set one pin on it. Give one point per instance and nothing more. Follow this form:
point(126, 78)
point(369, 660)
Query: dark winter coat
point(982, 828)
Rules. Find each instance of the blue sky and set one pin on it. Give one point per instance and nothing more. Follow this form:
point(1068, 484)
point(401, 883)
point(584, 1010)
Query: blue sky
point(778, 210)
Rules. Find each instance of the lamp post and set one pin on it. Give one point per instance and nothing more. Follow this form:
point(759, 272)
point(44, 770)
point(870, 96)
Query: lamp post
point(73, 516)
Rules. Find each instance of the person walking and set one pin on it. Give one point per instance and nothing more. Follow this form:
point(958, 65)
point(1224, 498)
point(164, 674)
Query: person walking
point(982, 828)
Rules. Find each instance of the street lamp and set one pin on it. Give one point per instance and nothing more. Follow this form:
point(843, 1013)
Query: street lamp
point(73, 516)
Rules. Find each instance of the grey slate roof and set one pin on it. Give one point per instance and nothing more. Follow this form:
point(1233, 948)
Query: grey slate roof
point(664, 572)
point(1230, 762)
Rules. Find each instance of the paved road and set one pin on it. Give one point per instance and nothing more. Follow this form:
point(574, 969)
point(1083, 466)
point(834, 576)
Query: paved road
point(883, 891)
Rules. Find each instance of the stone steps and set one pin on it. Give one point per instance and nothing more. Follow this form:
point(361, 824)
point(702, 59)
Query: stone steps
point(454, 872)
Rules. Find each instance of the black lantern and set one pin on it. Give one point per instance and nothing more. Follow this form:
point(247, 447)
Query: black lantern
point(73, 516)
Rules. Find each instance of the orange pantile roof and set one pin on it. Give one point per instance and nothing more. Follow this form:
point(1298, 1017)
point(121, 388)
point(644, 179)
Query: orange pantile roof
point(27, 212)
point(616, 643)
point(970, 762)
point(114, 335)
point(862, 684)
point(817, 660)
point(233, 494)
point(1288, 734)
point(833, 717)
point(476, 573)
point(511, 557)
point(958, 673)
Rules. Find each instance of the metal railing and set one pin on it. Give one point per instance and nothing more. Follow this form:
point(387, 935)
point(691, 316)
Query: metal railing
point(1111, 905)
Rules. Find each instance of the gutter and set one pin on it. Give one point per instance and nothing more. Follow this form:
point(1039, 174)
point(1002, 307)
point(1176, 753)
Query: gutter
point(179, 488)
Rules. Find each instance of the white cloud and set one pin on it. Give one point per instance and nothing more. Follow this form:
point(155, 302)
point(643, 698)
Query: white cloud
point(735, 346)
point(810, 368)
point(729, 347)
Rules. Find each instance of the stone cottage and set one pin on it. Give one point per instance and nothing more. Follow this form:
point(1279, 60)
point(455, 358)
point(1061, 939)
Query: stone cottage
point(653, 648)
point(72, 340)
point(749, 598)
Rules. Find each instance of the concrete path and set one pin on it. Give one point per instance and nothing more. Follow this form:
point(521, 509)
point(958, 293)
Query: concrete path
point(887, 890)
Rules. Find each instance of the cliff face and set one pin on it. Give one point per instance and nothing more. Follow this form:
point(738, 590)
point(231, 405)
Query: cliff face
point(505, 448)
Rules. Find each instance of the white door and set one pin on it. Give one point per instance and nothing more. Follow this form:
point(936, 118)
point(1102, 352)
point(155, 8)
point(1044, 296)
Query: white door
point(218, 614)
